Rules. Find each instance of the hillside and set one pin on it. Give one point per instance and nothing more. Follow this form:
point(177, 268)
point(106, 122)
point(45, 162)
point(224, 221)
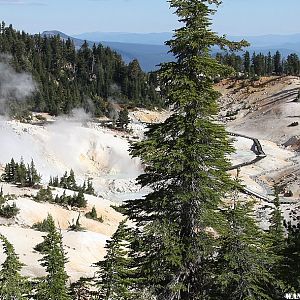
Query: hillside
point(271, 102)
point(176, 184)
point(102, 154)
point(269, 110)
point(92, 152)
point(65, 78)
point(149, 55)
point(150, 51)
point(286, 44)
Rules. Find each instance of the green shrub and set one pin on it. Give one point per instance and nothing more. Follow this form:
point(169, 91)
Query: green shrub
point(74, 201)
point(93, 215)
point(9, 211)
point(42, 226)
point(76, 226)
point(44, 195)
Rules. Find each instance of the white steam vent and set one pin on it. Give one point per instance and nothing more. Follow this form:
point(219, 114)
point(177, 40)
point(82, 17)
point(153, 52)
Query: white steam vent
point(66, 145)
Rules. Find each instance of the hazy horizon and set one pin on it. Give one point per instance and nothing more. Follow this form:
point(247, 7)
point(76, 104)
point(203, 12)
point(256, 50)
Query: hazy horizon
point(234, 17)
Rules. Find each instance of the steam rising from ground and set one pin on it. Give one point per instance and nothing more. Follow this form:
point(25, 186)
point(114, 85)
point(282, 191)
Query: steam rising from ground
point(13, 85)
point(65, 144)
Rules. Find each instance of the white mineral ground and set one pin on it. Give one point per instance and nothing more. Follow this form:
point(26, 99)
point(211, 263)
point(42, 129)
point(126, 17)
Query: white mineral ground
point(92, 152)
point(263, 112)
point(266, 110)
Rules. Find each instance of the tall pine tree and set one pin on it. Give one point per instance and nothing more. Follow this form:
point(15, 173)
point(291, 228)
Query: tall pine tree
point(54, 285)
point(291, 268)
point(278, 245)
point(185, 164)
point(12, 284)
point(115, 272)
point(276, 228)
point(245, 258)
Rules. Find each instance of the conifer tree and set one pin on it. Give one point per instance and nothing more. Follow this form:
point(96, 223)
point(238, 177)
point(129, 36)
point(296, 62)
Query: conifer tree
point(278, 245)
point(247, 62)
point(277, 63)
point(9, 210)
point(83, 289)
point(292, 64)
point(21, 173)
point(12, 284)
point(33, 177)
point(2, 198)
point(10, 172)
point(89, 189)
point(245, 258)
point(54, 285)
point(13, 171)
point(269, 64)
point(185, 164)
point(114, 276)
point(6, 174)
point(79, 200)
point(123, 119)
point(64, 181)
point(93, 215)
point(45, 225)
point(291, 267)
point(71, 182)
point(276, 228)
point(44, 195)
point(54, 181)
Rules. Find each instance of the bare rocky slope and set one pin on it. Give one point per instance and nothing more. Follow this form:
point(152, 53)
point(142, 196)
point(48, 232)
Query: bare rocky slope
point(268, 110)
point(92, 151)
point(263, 109)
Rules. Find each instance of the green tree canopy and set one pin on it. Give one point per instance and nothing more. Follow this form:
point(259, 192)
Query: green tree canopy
point(12, 284)
point(185, 161)
point(54, 285)
point(115, 274)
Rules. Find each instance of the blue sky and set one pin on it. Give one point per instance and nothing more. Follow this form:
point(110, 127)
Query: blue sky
point(235, 17)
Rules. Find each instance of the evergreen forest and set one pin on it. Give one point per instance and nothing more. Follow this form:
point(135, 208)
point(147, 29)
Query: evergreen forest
point(258, 64)
point(68, 78)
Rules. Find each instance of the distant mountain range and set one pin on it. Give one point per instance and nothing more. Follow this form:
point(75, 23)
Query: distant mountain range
point(125, 37)
point(286, 44)
point(272, 40)
point(150, 50)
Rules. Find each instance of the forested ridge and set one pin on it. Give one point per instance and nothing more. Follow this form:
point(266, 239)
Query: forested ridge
point(68, 78)
point(259, 64)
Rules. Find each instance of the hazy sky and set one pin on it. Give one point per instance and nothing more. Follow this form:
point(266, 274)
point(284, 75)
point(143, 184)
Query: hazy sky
point(235, 17)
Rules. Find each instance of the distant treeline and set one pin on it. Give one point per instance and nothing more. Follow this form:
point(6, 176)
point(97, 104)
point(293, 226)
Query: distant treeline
point(28, 176)
point(69, 182)
point(77, 200)
point(260, 64)
point(68, 78)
